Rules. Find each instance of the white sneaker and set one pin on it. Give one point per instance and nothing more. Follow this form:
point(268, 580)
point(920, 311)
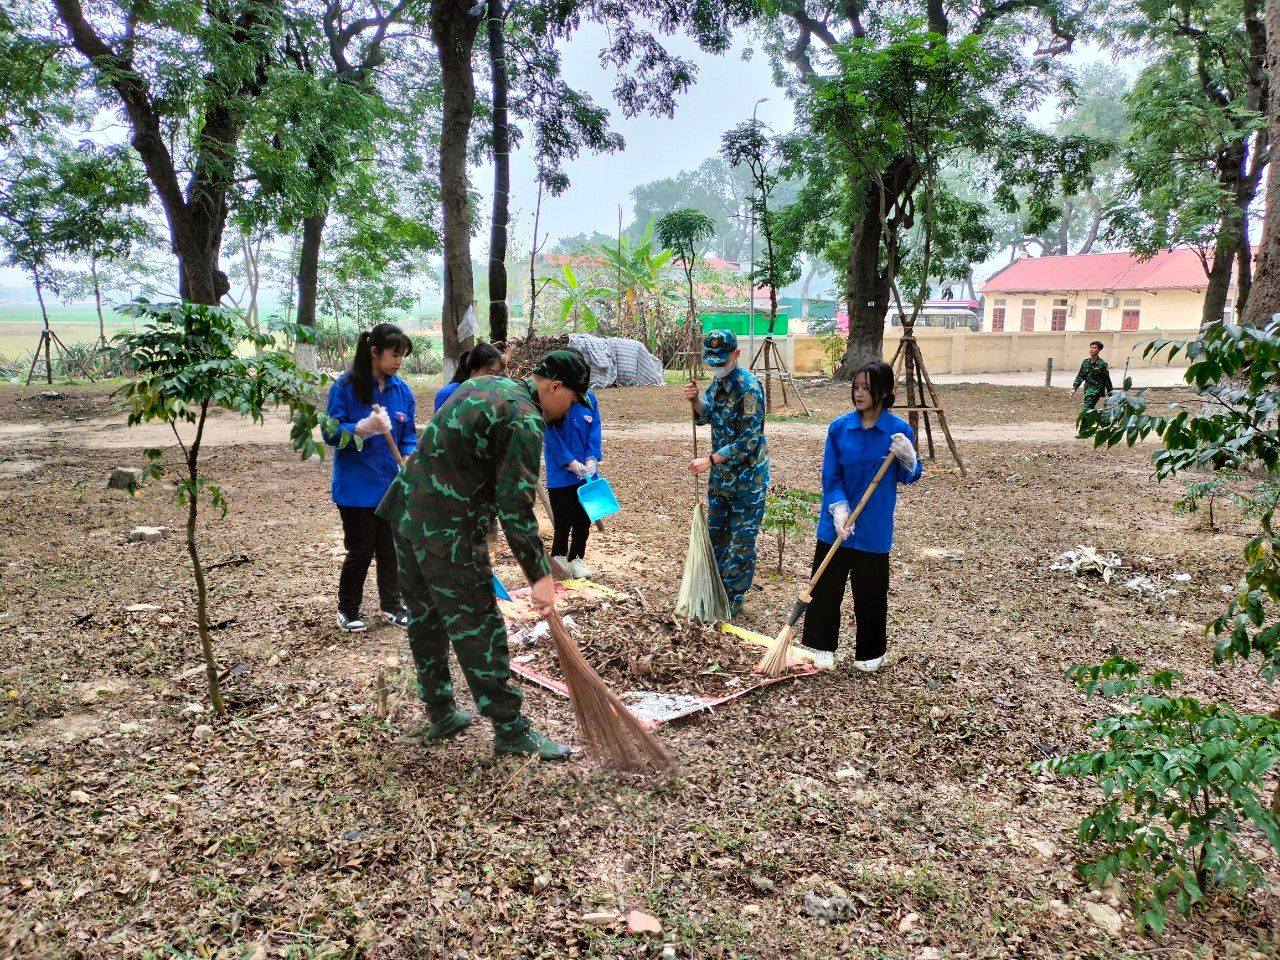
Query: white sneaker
point(579, 569)
point(869, 666)
point(822, 659)
point(560, 568)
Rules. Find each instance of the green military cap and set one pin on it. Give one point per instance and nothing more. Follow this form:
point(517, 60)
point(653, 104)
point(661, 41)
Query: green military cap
point(569, 367)
point(717, 345)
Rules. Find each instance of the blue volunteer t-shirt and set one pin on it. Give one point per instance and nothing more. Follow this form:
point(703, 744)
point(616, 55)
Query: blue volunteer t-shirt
point(576, 436)
point(362, 477)
point(852, 458)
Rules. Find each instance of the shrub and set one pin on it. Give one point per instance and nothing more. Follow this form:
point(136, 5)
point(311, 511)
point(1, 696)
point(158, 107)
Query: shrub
point(787, 512)
point(1179, 780)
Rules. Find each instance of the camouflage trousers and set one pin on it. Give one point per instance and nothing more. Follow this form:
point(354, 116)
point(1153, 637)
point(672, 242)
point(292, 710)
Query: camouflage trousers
point(1091, 398)
point(454, 604)
point(734, 521)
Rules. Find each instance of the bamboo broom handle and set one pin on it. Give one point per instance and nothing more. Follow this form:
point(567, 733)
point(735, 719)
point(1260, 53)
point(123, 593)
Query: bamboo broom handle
point(853, 517)
point(394, 449)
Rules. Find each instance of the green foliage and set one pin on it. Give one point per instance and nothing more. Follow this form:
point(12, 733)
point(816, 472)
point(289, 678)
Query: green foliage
point(1179, 780)
point(1208, 491)
point(1236, 371)
point(686, 232)
point(188, 358)
point(579, 302)
point(787, 512)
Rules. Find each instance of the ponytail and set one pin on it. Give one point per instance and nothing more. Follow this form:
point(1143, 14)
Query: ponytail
point(477, 358)
point(383, 336)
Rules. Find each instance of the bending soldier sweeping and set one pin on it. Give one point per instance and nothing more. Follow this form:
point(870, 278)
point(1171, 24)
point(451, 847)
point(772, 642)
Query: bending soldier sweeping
point(477, 459)
point(739, 465)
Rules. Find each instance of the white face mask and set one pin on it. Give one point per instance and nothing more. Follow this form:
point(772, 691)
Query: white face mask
point(722, 371)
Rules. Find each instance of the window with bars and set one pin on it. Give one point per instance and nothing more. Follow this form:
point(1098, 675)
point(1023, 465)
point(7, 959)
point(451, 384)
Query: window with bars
point(997, 319)
point(1058, 319)
point(1093, 318)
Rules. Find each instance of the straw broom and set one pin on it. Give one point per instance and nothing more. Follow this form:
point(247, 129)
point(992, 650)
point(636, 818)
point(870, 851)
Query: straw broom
point(612, 733)
point(702, 595)
point(774, 660)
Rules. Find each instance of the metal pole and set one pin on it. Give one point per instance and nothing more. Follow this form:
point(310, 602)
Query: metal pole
point(1048, 372)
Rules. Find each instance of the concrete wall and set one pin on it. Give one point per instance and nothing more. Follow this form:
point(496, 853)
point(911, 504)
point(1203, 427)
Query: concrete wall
point(1157, 310)
point(963, 351)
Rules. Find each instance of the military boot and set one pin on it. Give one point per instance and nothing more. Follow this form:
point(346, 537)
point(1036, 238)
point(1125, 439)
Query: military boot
point(450, 725)
point(528, 743)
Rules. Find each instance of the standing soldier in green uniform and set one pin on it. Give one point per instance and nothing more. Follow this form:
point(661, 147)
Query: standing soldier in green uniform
point(478, 457)
point(734, 406)
point(1095, 376)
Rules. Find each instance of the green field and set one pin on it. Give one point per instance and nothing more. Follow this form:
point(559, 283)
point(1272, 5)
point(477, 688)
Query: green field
point(20, 327)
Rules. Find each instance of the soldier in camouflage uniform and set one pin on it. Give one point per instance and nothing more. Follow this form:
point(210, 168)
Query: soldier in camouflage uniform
point(1095, 376)
point(734, 406)
point(478, 458)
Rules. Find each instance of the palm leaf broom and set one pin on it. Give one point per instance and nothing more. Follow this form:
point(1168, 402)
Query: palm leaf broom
point(774, 660)
point(702, 595)
point(612, 733)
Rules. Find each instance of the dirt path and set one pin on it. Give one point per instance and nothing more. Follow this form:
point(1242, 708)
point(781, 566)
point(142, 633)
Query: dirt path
point(223, 430)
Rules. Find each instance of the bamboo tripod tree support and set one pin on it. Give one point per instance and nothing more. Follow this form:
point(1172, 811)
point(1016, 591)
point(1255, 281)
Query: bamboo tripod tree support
point(776, 366)
point(922, 400)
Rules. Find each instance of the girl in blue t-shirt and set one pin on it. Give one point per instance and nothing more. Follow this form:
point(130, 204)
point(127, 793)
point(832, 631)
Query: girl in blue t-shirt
point(370, 401)
point(857, 444)
point(571, 448)
point(482, 360)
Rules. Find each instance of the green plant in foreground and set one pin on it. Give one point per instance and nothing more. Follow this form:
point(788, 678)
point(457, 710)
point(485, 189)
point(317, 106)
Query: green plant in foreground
point(788, 511)
point(1180, 780)
point(189, 358)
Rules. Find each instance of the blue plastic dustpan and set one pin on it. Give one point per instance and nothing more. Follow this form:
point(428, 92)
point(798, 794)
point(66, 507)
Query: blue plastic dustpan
point(596, 497)
point(499, 590)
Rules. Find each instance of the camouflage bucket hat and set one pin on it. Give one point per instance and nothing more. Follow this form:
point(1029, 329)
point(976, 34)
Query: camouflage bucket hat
point(569, 367)
point(718, 346)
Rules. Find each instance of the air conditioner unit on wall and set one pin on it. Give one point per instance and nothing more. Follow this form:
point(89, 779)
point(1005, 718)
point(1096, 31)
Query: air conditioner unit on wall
point(1110, 301)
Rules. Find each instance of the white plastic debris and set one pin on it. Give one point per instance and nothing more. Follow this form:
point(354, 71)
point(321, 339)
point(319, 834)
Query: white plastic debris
point(1084, 560)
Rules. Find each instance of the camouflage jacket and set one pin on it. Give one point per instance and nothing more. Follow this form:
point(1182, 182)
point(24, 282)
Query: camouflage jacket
point(1095, 376)
point(479, 456)
point(734, 407)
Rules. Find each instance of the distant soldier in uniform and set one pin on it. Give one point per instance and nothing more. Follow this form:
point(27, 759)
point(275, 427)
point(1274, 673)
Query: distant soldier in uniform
point(478, 457)
point(734, 406)
point(1095, 376)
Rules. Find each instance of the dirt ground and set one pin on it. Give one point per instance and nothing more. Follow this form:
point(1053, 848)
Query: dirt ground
point(136, 825)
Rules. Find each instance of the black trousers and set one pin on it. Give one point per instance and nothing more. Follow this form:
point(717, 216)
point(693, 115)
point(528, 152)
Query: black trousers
point(869, 573)
point(366, 535)
point(572, 528)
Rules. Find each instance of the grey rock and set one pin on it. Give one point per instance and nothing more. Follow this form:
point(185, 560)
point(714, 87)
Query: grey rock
point(761, 884)
point(828, 909)
point(145, 535)
point(124, 478)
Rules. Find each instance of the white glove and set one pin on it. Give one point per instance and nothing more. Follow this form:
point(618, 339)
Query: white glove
point(375, 424)
point(901, 448)
point(840, 514)
point(576, 468)
point(592, 467)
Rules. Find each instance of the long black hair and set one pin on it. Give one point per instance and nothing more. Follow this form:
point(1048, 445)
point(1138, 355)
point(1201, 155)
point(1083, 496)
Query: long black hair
point(880, 383)
point(477, 358)
point(384, 336)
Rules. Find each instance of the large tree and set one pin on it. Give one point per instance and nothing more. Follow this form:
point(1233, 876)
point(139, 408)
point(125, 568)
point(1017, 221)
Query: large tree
point(1200, 142)
point(871, 186)
point(185, 76)
point(1264, 300)
point(349, 93)
point(647, 76)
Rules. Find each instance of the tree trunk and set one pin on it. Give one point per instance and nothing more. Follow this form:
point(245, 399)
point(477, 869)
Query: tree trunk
point(97, 301)
point(44, 318)
point(308, 281)
point(1264, 298)
point(866, 293)
point(453, 30)
point(498, 314)
point(1234, 179)
point(197, 568)
point(254, 273)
